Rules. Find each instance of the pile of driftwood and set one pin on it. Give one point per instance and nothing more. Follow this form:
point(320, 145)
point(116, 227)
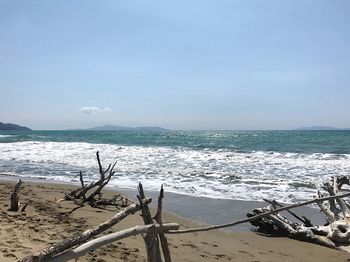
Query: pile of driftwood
point(335, 233)
point(77, 246)
point(92, 195)
point(268, 220)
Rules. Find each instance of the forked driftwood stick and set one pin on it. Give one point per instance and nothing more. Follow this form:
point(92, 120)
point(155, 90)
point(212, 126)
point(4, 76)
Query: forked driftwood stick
point(107, 239)
point(14, 197)
point(265, 214)
point(158, 218)
point(80, 195)
point(103, 180)
point(47, 253)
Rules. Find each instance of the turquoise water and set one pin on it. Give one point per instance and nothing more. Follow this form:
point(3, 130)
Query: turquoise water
point(337, 142)
point(247, 165)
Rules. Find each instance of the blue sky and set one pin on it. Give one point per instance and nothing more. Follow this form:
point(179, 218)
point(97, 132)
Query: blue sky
point(180, 65)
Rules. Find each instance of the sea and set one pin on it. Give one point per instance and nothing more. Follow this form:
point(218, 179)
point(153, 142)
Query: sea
point(288, 166)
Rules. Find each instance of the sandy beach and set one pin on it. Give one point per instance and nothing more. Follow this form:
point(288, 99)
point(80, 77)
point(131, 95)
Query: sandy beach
point(45, 222)
point(239, 110)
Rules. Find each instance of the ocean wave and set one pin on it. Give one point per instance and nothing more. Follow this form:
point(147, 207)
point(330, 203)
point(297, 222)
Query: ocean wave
point(222, 173)
point(6, 136)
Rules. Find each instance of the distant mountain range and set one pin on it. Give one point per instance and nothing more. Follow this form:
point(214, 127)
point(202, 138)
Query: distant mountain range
point(123, 128)
point(321, 128)
point(8, 126)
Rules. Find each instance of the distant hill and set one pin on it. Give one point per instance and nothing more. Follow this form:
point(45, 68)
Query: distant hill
point(9, 126)
point(123, 128)
point(321, 128)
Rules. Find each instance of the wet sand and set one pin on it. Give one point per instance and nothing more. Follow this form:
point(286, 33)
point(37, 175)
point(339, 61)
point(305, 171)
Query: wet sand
point(45, 222)
point(220, 211)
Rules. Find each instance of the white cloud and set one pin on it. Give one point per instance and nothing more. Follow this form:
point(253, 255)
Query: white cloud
point(93, 109)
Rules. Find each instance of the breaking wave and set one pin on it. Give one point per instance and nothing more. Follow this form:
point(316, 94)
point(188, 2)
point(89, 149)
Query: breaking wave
point(216, 173)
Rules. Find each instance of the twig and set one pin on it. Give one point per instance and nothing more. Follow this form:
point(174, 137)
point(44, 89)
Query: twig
point(24, 207)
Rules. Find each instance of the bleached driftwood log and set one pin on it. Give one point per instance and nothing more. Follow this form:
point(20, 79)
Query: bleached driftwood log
point(334, 234)
point(110, 238)
point(14, 197)
point(92, 193)
point(47, 253)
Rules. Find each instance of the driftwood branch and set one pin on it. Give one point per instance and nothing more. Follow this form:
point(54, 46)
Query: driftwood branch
point(151, 240)
point(104, 240)
point(91, 194)
point(14, 197)
point(158, 218)
point(103, 180)
point(304, 220)
point(327, 211)
point(82, 185)
point(47, 253)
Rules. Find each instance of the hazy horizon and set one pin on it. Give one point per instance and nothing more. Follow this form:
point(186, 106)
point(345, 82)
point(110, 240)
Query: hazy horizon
point(90, 128)
point(199, 65)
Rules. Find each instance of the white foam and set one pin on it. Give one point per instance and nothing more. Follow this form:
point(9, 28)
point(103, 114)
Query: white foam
point(5, 136)
point(214, 173)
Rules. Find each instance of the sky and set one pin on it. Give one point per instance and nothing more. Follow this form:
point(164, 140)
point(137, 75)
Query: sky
point(175, 64)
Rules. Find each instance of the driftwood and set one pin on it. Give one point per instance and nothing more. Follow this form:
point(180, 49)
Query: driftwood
point(47, 253)
point(15, 198)
point(150, 238)
point(77, 246)
point(307, 222)
point(92, 193)
point(158, 218)
point(256, 217)
point(107, 239)
point(334, 234)
point(268, 220)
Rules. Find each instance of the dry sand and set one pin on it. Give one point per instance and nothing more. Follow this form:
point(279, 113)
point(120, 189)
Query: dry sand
point(44, 223)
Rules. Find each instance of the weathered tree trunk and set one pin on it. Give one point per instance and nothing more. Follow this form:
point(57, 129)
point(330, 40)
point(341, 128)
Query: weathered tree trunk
point(14, 197)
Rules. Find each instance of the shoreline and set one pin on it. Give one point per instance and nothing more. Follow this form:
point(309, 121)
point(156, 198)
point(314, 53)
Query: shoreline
point(202, 210)
point(43, 224)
